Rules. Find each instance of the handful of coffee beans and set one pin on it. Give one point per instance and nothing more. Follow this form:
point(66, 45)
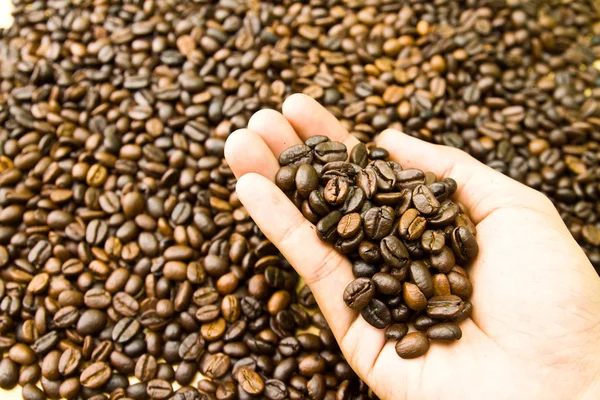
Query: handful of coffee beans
point(399, 227)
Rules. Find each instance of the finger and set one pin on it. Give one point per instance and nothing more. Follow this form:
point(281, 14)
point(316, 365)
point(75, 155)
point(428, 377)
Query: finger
point(309, 118)
point(325, 270)
point(480, 188)
point(246, 151)
point(275, 130)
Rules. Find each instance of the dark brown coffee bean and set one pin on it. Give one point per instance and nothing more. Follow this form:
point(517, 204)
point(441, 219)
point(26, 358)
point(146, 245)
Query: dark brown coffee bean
point(420, 276)
point(327, 226)
point(395, 331)
point(464, 244)
point(145, 368)
point(394, 252)
point(446, 331)
point(424, 200)
point(359, 155)
point(444, 307)
point(215, 365)
point(378, 222)
point(413, 345)
point(443, 261)
point(9, 373)
point(306, 180)
point(376, 314)
point(296, 155)
point(330, 151)
point(386, 284)
point(460, 285)
point(433, 241)
point(359, 293)
point(411, 225)
point(159, 389)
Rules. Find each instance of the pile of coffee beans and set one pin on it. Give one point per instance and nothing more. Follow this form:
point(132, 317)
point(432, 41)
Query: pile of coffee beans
point(124, 251)
point(399, 227)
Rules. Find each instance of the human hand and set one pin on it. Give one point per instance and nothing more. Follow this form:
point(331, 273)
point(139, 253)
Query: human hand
point(535, 328)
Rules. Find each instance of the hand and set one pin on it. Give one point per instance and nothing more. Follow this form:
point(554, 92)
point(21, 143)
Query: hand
point(535, 328)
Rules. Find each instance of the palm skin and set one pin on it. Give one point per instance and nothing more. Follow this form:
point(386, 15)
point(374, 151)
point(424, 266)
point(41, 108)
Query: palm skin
point(535, 328)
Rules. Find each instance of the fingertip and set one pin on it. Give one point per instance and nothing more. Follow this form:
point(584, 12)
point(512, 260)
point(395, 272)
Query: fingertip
point(295, 102)
point(246, 185)
point(263, 119)
point(246, 151)
point(232, 144)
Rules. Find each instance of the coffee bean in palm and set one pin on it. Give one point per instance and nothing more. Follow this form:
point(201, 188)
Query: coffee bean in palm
point(359, 155)
point(433, 241)
point(306, 179)
point(386, 284)
point(464, 244)
point(349, 225)
point(327, 226)
point(286, 178)
point(446, 331)
point(443, 261)
point(361, 269)
point(413, 345)
point(460, 285)
point(336, 191)
point(420, 276)
point(359, 293)
point(296, 155)
point(394, 252)
point(396, 331)
point(424, 200)
point(444, 307)
point(330, 151)
point(376, 314)
point(413, 297)
point(378, 222)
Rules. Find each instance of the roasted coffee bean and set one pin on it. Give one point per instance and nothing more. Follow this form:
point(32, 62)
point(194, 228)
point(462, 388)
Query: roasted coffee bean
point(420, 276)
point(446, 331)
point(361, 269)
point(464, 244)
point(411, 225)
point(376, 314)
point(336, 191)
point(250, 381)
point(413, 345)
point(327, 226)
point(443, 261)
point(386, 284)
point(445, 216)
point(359, 293)
point(9, 373)
point(69, 361)
point(460, 285)
point(444, 307)
point(330, 151)
point(359, 155)
point(286, 178)
point(159, 389)
point(433, 241)
point(378, 222)
point(145, 368)
point(349, 225)
point(395, 331)
point(413, 297)
point(95, 375)
point(306, 179)
point(424, 200)
point(394, 252)
point(296, 155)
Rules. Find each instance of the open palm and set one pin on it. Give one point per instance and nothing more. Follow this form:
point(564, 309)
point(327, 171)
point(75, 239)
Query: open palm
point(535, 328)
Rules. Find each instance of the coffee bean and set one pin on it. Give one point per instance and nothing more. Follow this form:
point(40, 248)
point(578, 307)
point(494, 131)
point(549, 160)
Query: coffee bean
point(378, 222)
point(444, 307)
point(95, 375)
point(386, 284)
point(464, 244)
point(424, 200)
point(327, 226)
point(69, 361)
point(446, 331)
point(296, 155)
point(394, 252)
point(359, 293)
point(330, 151)
point(306, 179)
point(9, 373)
point(413, 345)
point(376, 314)
point(336, 191)
point(159, 389)
point(420, 276)
point(413, 297)
point(396, 331)
point(250, 381)
point(349, 225)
